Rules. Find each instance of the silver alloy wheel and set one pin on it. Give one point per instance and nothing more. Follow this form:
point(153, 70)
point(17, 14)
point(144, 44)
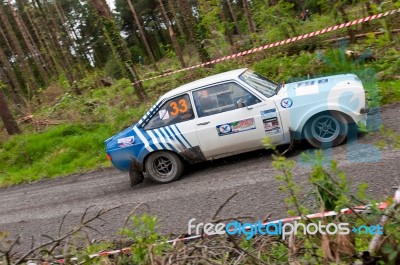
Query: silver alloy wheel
point(325, 128)
point(162, 165)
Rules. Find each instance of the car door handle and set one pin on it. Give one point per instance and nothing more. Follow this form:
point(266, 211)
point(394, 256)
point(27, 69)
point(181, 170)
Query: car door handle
point(203, 123)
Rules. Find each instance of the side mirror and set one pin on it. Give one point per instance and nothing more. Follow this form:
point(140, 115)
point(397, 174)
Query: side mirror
point(240, 103)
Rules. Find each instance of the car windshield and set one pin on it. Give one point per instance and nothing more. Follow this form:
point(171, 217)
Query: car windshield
point(260, 83)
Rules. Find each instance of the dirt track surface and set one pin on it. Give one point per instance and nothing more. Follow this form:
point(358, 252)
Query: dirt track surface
point(35, 209)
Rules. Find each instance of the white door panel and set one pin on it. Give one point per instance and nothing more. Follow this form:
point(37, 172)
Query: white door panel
point(238, 129)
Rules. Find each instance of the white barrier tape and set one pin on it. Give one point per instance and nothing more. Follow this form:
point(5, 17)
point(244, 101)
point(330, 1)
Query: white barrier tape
point(278, 43)
point(357, 209)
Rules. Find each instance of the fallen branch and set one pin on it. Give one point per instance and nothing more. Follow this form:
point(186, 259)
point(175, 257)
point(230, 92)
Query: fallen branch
point(376, 240)
point(57, 241)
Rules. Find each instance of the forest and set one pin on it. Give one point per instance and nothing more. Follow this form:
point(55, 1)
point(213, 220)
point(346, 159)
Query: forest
point(71, 70)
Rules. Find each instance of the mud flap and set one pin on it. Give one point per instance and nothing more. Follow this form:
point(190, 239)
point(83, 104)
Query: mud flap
point(291, 145)
point(135, 173)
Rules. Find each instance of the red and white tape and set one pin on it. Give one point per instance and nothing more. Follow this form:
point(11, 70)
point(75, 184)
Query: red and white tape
point(357, 209)
point(278, 43)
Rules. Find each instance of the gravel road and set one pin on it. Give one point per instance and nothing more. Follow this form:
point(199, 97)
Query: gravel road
point(35, 209)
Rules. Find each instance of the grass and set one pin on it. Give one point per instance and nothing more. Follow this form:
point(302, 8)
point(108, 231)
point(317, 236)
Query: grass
point(58, 151)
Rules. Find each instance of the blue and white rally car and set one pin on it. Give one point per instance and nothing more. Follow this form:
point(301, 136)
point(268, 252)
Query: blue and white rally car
point(230, 113)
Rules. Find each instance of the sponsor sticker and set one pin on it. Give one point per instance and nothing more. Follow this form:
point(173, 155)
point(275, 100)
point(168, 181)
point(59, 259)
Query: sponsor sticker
point(271, 126)
point(236, 127)
point(125, 142)
point(164, 114)
point(266, 114)
point(307, 83)
point(224, 129)
point(270, 120)
point(286, 103)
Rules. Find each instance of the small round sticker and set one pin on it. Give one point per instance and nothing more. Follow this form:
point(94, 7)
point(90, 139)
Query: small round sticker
point(226, 128)
point(286, 103)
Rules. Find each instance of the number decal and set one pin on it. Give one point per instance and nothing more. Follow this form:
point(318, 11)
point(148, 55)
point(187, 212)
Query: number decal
point(182, 108)
point(175, 109)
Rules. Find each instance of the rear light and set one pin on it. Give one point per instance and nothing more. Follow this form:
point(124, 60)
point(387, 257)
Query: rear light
point(108, 157)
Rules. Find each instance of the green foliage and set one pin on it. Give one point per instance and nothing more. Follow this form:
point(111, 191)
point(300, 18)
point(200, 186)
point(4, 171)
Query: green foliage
point(145, 238)
point(58, 151)
point(73, 147)
point(113, 67)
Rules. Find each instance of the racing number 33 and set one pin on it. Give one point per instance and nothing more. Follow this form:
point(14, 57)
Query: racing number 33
point(181, 108)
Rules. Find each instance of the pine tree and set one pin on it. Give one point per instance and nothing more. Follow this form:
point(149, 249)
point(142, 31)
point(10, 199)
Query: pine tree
point(142, 34)
point(171, 32)
point(118, 46)
point(5, 114)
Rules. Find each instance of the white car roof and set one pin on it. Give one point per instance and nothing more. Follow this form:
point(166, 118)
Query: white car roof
point(204, 81)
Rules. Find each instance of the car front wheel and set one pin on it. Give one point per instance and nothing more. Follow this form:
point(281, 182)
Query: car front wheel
point(164, 167)
point(326, 130)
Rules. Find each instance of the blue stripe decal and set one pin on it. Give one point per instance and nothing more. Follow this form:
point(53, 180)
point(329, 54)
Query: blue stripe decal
point(184, 138)
point(163, 140)
point(160, 139)
point(170, 129)
point(155, 140)
point(162, 131)
point(179, 136)
point(174, 138)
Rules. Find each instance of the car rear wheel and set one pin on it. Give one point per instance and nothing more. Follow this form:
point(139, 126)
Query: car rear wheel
point(326, 130)
point(164, 167)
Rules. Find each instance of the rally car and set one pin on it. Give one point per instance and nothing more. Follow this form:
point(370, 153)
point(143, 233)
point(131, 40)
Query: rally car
point(230, 113)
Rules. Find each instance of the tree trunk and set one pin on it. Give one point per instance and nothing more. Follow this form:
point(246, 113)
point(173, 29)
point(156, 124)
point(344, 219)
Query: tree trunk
point(195, 34)
point(67, 61)
point(118, 46)
point(174, 12)
point(26, 68)
point(231, 11)
point(227, 32)
point(9, 71)
point(142, 35)
point(250, 22)
point(175, 43)
point(80, 47)
point(48, 28)
point(345, 20)
point(51, 61)
point(33, 50)
point(5, 114)
point(71, 44)
point(3, 35)
point(188, 19)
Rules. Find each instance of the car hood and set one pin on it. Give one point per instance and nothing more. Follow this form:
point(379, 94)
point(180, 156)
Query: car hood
point(316, 84)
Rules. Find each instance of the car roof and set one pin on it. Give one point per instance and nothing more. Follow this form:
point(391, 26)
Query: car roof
point(204, 81)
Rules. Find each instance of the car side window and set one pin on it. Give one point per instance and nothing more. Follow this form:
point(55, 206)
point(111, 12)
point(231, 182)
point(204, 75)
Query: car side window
point(178, 109)
point(221, 98)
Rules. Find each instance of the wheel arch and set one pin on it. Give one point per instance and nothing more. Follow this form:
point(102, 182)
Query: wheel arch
point(334, 113)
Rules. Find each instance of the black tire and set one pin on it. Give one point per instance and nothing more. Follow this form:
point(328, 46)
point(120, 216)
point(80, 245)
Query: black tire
point(326, 130)
point(136, 177)
point(164, 167)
